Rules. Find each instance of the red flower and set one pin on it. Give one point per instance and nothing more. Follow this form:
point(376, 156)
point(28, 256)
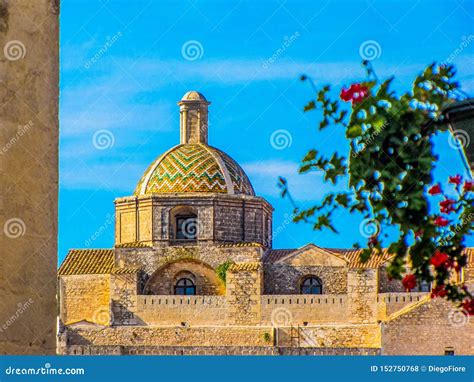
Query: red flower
point(356, 93)
point(468, 185)
point(419, 233)
point(441, 222)
point(359, 93)
point(409, 282)
point(468, 306)
point(373, 241)
point(457, 179)
point(346, 94)
point(446, 206)
point(435, 190)
point(440, 259)
point(439, 291)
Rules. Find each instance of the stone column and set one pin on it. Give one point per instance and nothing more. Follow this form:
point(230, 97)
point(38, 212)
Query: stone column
point(28, 175)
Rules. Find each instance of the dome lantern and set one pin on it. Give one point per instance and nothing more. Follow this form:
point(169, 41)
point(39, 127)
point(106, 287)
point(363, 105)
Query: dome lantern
point(194, 166)
point(193, 118)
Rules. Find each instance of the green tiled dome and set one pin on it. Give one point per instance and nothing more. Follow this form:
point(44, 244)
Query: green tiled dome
point(194, 168)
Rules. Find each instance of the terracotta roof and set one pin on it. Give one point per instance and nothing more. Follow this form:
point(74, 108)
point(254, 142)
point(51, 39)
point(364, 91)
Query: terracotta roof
point(375, 261)
point(244, 267)
point(225, 245)
point(135, 244)
point(353, 256)
point(88, 261)
point(273, 255)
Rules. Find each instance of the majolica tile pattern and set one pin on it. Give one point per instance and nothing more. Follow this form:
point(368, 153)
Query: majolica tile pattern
point(194, 168)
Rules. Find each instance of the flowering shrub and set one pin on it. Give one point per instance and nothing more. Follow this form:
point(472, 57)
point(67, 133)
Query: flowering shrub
point(389, 166)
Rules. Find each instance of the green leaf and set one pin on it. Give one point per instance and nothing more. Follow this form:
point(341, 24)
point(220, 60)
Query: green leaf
point(309, 106)
point(354, 131)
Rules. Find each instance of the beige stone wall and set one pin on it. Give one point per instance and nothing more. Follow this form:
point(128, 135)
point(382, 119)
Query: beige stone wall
point(126, 230)
point(429, 329)
point(332, 336)
point(362, 295)
point(287, 278)
point(123, 294)
point(282, 310)
point(28, 175)
point(244, 290)
point(323, 337)
point(213, 350)
point(176, 310)
point(85, 297)
point(469, 273)
point(387, 285)
point(152, 259)
point(169, 336)
point(391, 303)
point(222, 218)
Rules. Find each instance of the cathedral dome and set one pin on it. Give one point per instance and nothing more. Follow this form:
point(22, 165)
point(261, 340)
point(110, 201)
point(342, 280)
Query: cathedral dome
point(194, 167)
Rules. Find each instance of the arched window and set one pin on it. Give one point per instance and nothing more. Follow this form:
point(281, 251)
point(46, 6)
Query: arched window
point(311, 285)
point(185, 287)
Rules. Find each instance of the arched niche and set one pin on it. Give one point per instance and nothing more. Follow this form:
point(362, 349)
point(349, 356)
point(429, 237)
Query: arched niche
point(164, 280)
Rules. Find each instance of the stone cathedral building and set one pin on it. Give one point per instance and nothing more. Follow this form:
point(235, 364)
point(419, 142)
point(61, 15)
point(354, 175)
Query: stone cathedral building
point(193, 271)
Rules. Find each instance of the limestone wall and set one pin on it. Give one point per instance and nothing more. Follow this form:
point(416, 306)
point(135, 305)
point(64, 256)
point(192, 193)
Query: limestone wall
point(244, 286)
point(179, 310)
point(168, 336)
point(152, 259)
point(318, 338)
point(390, 303)
point(28, 174)
point(286, 278)
point(123, 294)
point(469, 273)
point(332, 336)
point(221, 218)
point(85, 297)
point(282, 310)
point(362, 295)
point(386, 285)
point(82, 303)
point(429, 329)
point(214, 350)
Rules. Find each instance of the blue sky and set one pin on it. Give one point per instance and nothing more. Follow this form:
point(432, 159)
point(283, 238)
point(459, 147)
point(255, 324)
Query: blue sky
point(124, 65)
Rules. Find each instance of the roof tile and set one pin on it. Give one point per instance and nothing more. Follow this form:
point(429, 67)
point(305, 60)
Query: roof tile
point(135, 244)
point(88, 261)
point(225, 245)
point(244, 267)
